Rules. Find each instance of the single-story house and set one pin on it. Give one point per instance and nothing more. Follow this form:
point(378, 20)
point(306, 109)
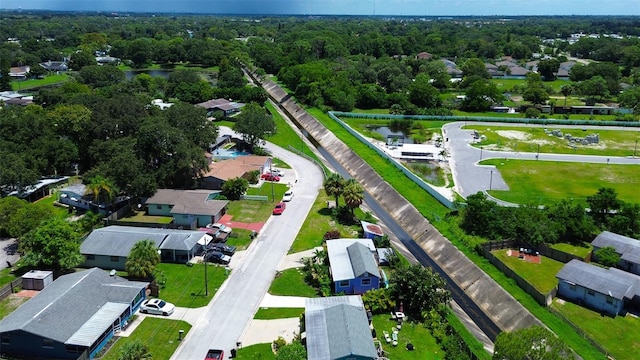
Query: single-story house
point(424, 56)
point(19, 72)
point(102, 60)
point(628, 249)
point(76, 196)
point(513, 69)
point(593, 110)
point(224, 105)
point(42, 188)
point(565, 69)
point(353, 266)
point(73, 317)
point(56, 66)
point(223, 170)
point(452, 68)
point(607, 290)
point(189, 208)
point(337, 328)
point(109, 247)
point(15, 98)
point(371, 231)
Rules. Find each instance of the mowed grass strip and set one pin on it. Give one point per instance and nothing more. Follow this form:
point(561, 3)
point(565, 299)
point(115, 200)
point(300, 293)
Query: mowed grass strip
point(581, 251)
point(185, 284)
point(547, 182)
point(291, 282)
point(158, 334)
point(532, 139)
point(257, 210)
point(253, 352)
point(542, 276)
point(278, 313)
point(619, 335)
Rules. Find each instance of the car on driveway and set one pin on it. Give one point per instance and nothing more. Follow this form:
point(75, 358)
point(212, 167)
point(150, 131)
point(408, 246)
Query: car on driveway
point(225, 249)
point(157, 307)
point(270, 177)
point(288, 195)
point(217, 257)
point(220, 227)
point(277, 172)
point(279, 209)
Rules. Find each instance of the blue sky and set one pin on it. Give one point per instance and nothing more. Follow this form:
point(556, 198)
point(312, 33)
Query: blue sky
point(344, 7)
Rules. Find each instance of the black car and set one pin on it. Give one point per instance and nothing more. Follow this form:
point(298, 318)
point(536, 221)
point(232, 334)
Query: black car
point(225, 249)
point(217, 257)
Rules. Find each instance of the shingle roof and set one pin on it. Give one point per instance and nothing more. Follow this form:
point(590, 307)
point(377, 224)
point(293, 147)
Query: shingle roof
point(628, 247)
point(195, 202)
point(340, 261)
point(337, 327)
point(613, 282)
point(233, 168)
point(72, 302)
point(362, 261)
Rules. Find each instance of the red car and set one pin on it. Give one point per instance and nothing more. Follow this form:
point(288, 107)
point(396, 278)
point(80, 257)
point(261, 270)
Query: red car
point(269, 177)
point(214, 354)
point(279, 209)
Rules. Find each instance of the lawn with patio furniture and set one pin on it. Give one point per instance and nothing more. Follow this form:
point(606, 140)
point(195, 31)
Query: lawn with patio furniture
point(158, 334)
point(542, 276)
point(291, 282)
point(619, 335)
point(278, 313)
point(185, 284)
point(425, 345)
point(545, 182)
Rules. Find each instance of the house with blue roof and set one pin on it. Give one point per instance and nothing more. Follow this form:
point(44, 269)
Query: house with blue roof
point(73, 317)
point(353, 266)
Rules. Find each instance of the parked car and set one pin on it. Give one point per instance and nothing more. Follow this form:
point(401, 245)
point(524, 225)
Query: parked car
point(225, 249)
point(214, 354)
point(277, 172)
point(288, 195)
point(157, 307)
point(279, 209)
point(220, 227)
point(270, 177)
point(217, 257)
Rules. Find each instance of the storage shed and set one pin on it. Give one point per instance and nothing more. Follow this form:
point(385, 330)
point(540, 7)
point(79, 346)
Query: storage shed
point(36, 279)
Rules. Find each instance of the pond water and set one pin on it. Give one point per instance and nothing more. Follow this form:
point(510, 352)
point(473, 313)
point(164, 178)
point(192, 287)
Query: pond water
point(390, 135)
point(130, 74)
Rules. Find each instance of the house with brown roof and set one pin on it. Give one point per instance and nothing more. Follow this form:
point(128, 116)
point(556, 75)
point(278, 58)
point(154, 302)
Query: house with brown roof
point(19, 72)
point(224, 105)
point(424, 56)
point(223, 170)
point(190, 208)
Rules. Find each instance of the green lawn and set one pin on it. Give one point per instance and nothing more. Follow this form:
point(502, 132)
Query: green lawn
point(619, 335)
point(141, 216)
point(506, 85)
point(291, 282)
point(546, 182)
point(411, 332)
point(581, 251)
point(10, 303)
point(534, 139)
point(256, 210)
point(240, 238)
point(185, 284)
point(36, 83)
point(58, 211)
point(542, 276)
point(256, 352)
point(278, 313)
point(160, 336)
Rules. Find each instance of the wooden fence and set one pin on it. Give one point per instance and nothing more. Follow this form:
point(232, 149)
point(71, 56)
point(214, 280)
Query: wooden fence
point(10, 288)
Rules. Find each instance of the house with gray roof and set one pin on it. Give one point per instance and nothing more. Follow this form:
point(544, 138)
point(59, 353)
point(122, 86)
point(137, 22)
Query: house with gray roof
point(628, 249)
point(189, 208)
point(109, 247)
point(353, 266)
point(608, 290)
point(72, 318)
point(226, 106)
point(337, 328)
point(76, 196)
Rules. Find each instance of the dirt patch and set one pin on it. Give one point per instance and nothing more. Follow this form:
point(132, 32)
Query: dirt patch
point(514, 134)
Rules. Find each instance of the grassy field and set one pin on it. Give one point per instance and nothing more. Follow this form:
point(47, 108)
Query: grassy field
point(291, 282)
point(256, 352)
point(240, 238)
point(36, 83)
point(411, 332)
point(546, 182)
point(141, 216)
point(160, 336)
point(542, 276)
point(185, 284)
point(278, 313)
point(619, 335)
point(532, 139)
point(507, 85)
point(256, 210)
point(581, 251)
point(11, 303)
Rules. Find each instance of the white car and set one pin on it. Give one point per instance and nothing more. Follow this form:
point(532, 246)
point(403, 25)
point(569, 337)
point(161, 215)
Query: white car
point(288, 195)
point(157, 307)
point(277, 172)
point(220, 227)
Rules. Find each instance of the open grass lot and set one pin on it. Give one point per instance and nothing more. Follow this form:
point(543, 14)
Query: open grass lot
point(542, 276)
point(160, 336)
point(507, 85)
point(317, 223)
point(278, 313)
point(527, 139)
point(185, 284)
point(415, 333)
point(491, 114)
point(581, 251)
point(256, 352)
point(619, 335)
point(291, 282)
point(256, 210)
point(240, 238)
point(36, 83)
point(546, 182)
point(141, 216)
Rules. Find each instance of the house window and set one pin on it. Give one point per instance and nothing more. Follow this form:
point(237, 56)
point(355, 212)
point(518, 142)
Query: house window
point(344, 283)
point(366, 282)
point(591, 292)
point(6, 339)
point(609, 300)
point(47, 343)
point(91, 257)
point(115, 258)
point(572, 287)
point(158, 207)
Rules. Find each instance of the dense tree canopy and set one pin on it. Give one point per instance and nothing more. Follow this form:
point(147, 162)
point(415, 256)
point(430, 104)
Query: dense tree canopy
point(54, 245)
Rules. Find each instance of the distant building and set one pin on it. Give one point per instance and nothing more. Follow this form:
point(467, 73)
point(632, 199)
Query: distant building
point(628, 249)
point(424, 56)
point(55, 66)
point(44, 187)
point(19, 72)
point(224, 105)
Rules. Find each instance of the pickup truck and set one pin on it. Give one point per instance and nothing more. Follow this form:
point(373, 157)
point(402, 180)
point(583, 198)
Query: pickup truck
point(214, 354)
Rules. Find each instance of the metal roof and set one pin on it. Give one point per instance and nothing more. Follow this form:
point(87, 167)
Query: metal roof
point(96, 325)
point(627, 247)
point(362, 261)
point(613, 282)
point(62, 308)
point(337, 328)
point(339, 260)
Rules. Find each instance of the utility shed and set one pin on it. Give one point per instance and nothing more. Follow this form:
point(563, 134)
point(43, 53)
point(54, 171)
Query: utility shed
point(36, 279)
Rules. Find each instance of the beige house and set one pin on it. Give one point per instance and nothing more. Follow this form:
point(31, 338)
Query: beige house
point(221, 171)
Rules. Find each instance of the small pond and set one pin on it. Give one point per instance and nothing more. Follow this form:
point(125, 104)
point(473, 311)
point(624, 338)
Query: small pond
point(130, 74)
point(389, 134)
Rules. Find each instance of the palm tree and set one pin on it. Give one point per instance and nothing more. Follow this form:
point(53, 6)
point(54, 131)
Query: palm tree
point(334, 186)
point(142, 260)
point(566, 90)
point(102, 189)
point(353, 194)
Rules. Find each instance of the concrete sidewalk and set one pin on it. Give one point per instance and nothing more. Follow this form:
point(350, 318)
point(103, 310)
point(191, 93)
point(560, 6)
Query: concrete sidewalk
point(295, 260)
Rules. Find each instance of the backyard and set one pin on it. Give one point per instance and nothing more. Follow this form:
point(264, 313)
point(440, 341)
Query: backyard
point(185, 284)
point(542, 276)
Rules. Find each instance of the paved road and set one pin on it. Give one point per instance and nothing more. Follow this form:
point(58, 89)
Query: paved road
point(229, 314)
point(470, 177)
